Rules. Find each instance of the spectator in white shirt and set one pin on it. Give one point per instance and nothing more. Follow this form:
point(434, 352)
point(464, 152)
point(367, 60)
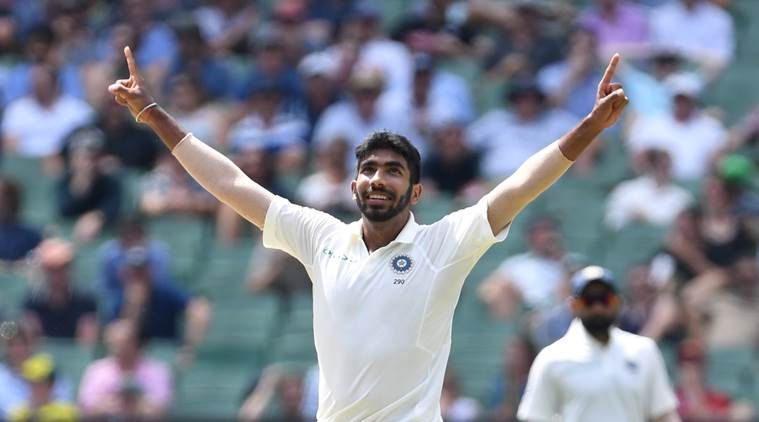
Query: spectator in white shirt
point(508, 137)
point(363, 113)
point(651, 198)
point(36, 125)
point(535, 278)
point(691, 137)
point(700, 30)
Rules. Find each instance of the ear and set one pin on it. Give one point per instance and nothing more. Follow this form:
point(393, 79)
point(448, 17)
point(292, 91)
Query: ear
point(575, 305)
point(416, 193)
point(353, 189)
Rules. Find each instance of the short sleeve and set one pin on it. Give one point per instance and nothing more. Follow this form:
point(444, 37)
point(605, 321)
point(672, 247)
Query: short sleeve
point(463, 234)
point(662, 399)
point(297, 230)
point(540, 401)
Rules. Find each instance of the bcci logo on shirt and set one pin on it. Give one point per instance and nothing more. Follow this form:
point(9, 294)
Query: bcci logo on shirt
point(401, 264)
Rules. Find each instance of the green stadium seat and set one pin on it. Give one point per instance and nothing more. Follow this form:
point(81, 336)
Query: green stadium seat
point(186, 237)
point(211, 390)
point(731, 371)
point(14, 285)
point(632, 244)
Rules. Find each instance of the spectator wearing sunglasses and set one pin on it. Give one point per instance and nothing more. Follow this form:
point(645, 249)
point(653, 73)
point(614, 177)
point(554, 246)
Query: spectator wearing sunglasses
point(597, 371)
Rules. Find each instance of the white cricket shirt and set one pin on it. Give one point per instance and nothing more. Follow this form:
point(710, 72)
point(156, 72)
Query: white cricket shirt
point(582, 380)
point(382, 321)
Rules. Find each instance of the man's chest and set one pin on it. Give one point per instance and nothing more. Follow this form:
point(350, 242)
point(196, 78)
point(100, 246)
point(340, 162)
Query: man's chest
point(602, 375)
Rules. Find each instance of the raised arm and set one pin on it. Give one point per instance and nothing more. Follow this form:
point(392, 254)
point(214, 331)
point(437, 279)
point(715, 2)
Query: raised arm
point(215, 172)
point(545, 167)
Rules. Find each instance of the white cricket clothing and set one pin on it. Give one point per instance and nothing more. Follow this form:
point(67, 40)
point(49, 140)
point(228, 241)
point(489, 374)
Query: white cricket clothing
point(382, 320)
point(580, 379)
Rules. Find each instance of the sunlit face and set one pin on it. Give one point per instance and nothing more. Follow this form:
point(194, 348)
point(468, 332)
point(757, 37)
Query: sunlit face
point(383, 188)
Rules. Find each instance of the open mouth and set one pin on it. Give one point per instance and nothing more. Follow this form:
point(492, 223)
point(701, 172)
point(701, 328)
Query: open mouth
point(376, 198)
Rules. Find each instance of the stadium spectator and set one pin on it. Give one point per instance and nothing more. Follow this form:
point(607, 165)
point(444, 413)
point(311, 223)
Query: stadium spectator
point(451, 166)
point(194, 57)
point(569, 82)
point(690, 136)
point(697, 401)
point(509, 385)
point(535, 279)
point(271, 67)
point(225, 24)
point(22, 131)
point(325, 188)
point(20, 345)
point(508, 137)
point(132, 233)
point(61, 309)
point(268, 125)
point(619, 26)
point(85, 193)
point(726, 304)
point(273, 383)
point(317, 71)
point(160, 310)
point(361, 114)
point(125, 384)
point(454, 406)
point(276, 271)
point(190, 103)
point(40, 46)
point(259, 165)
point(169, 190)
point(16, 238)
point(650, 310)
point(652, 198)
point(41, 373)
point(711, 46)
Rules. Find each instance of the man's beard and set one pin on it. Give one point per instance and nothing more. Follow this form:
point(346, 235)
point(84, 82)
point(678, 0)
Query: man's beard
point(597, 325)
point(378, 215)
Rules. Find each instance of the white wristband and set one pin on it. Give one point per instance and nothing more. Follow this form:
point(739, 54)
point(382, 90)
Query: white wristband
point(137, 117)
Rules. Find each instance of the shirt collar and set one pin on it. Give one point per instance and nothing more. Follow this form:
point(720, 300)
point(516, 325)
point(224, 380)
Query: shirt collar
point(406, 235)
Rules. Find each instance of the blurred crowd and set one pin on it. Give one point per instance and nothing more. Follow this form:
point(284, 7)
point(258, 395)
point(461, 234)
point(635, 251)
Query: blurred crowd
point(287, 89)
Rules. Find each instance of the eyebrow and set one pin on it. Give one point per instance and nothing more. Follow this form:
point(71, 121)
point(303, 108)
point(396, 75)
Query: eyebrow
point(386, 164)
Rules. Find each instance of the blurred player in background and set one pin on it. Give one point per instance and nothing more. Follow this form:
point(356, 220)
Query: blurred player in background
point(597, 372)
point(384, 287)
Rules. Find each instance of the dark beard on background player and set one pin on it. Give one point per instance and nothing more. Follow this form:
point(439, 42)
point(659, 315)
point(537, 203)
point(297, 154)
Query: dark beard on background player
point(597, 325)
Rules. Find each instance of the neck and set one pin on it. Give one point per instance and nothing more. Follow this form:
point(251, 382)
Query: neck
point(602, 338)
point(377, 234)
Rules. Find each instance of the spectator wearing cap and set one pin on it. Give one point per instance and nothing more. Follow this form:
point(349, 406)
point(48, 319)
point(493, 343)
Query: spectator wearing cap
point(125, 384)
point(700, 30)
point(570, 82)
point(60, 309)
point(18, 239)
point(507, 137)
point(22, 131)
point(618, 25)
point(362, 44)
point(362, 113)
point(160, 310)
point(85, 193)
point(15, 390)
point(40, 372)
point(269, 126)
point(271, 67)
point(597, 371)
point(652, 198)
point(132, 233)
point(696, 400)
point(434, 94)
point(318, 73)
point(690, 136)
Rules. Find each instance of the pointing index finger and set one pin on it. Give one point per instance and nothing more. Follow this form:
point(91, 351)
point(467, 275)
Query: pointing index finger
point(131, 63)
point(609, 73)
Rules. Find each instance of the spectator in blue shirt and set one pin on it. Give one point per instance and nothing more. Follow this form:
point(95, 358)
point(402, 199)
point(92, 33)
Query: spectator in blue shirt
point(16, 239)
